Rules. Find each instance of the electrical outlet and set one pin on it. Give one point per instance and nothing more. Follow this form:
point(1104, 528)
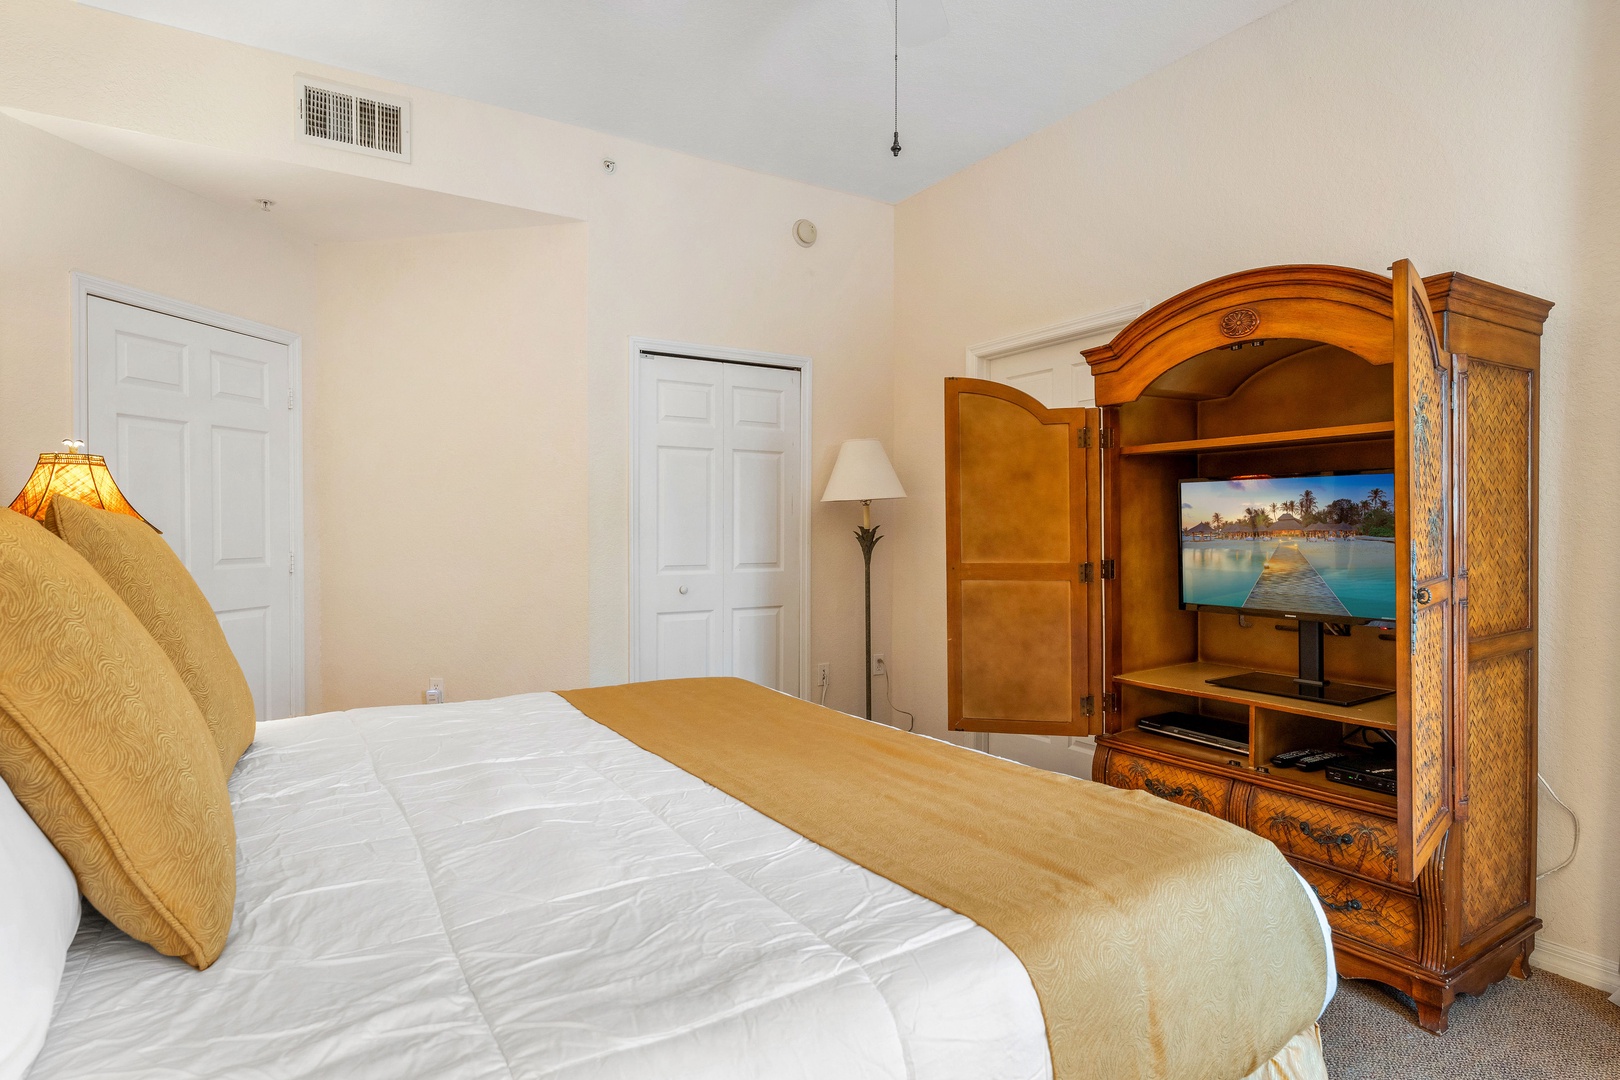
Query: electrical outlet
point(823, 674)
point(435, 690)
point(878, 665)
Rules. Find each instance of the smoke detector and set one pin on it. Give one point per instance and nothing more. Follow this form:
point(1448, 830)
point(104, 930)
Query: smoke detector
point(349, 118)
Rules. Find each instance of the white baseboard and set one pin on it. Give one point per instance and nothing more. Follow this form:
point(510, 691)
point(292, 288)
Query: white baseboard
point(1597, 971)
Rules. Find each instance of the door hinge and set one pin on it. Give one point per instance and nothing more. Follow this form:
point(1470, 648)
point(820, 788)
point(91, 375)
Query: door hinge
point(1083, 438)
point(1085, 573)
point(1105, 437)
point(1111, 702)
point(292, 562)
point(1108, 569)
point(1088, 705)
point(289, 397)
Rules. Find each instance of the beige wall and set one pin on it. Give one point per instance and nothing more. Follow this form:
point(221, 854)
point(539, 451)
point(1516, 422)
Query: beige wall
point(693, 252)
point(675, 248)
point(1465, 136)
point(445, 462)
point(64, 209)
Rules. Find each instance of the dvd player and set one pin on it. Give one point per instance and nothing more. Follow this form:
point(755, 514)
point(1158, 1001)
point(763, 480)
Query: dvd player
point(1372, 773)
point(1208, 730)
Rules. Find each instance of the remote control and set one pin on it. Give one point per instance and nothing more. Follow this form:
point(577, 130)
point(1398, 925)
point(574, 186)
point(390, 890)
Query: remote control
point(1313, 762)
point(1289, 757)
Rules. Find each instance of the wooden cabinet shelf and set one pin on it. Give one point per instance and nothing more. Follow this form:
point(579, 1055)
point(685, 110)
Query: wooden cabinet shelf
point(1181, 748)
point(1301, 437)
point(1193, 681)
point(1236, 766)
point(1318, 783)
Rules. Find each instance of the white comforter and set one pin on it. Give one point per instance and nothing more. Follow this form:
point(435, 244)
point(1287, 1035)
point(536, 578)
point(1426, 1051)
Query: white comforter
point(508, 889)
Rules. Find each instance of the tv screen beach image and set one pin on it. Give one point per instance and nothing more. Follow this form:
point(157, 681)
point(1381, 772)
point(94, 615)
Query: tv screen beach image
point(1321, 546)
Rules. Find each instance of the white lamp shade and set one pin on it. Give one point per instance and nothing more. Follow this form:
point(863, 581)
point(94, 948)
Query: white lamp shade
point(862, 473)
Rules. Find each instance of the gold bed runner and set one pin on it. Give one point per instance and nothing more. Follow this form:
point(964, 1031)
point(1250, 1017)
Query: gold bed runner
point(1162, 942)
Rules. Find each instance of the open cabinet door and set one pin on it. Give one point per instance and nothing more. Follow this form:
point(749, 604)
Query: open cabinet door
point(1023, 606)
point(1423, 479)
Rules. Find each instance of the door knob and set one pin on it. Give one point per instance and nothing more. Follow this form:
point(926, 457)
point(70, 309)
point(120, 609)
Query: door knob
point(683, 592)
point(1423, 596)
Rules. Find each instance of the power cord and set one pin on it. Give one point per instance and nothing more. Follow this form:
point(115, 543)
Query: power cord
point(1575, 843)
point(822, 699)
point(888, 698)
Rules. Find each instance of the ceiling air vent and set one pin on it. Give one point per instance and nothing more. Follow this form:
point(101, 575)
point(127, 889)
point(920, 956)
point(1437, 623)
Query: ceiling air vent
point(354, 119)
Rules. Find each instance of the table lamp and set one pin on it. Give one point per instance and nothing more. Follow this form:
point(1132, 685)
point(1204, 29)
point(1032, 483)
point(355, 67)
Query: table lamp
point(73, 475)
point(861, 474)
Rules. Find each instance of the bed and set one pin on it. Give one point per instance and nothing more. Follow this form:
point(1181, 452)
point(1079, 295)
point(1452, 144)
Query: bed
point(511, 889)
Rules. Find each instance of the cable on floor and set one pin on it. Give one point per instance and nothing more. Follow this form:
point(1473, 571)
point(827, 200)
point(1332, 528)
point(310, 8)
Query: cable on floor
point(1575, 843)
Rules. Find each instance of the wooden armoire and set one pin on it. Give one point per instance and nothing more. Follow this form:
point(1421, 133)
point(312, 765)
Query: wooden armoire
point(1064, 538)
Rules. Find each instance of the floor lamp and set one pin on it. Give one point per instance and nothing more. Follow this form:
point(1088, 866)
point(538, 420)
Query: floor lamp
point(861, 474)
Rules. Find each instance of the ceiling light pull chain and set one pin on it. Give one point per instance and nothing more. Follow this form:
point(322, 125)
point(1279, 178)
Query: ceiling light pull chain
point(895, 149)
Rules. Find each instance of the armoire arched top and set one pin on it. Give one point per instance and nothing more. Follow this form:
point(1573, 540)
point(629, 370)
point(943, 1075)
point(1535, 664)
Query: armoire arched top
point(1336, 305)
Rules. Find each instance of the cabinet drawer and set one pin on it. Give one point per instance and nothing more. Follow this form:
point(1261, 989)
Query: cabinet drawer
point(1201, 791)
point(1364, 911)
point(1344, 839)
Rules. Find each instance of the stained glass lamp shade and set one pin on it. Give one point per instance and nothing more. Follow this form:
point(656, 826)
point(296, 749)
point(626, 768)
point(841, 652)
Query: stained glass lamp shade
point(84, 477)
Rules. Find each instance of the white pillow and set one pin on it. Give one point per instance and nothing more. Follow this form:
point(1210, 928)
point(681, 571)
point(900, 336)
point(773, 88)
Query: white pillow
point(39, 914)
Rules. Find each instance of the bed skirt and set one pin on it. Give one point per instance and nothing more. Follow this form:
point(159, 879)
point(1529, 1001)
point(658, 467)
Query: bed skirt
point(1299, 1059)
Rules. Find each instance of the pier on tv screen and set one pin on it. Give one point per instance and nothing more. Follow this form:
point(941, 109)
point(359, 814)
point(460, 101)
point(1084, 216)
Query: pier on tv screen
point(1313, 546)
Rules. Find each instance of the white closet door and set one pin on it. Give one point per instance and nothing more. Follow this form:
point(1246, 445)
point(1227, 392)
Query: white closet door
point(1057, 376)
point(762, 567)
point(718, 565)
point(194, 423)
point(682, 549)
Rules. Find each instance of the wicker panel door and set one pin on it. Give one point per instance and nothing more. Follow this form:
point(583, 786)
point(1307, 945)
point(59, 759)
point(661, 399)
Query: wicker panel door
point(1423, 593)
point(1022, 610)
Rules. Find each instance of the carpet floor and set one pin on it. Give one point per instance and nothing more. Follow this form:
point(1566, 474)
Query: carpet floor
point(1544, 1027)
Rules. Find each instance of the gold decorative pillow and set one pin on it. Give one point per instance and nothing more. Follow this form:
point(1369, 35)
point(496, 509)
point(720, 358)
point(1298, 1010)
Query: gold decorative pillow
point(107, 751)
point(147, 575)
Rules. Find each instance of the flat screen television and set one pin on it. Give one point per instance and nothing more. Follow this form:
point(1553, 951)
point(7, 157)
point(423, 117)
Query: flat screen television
point(1316, 548)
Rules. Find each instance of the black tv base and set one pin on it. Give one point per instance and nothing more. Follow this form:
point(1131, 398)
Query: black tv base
point(1310, 684)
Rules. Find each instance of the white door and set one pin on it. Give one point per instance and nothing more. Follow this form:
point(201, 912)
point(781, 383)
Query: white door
point(719, 517)
point(194, 423)
point(1057, 375)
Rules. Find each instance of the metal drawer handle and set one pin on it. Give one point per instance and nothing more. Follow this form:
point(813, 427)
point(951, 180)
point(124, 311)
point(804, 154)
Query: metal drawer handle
point(1351, 904)
point(1423, 595)
point(1323, 837)
point(1161, 790)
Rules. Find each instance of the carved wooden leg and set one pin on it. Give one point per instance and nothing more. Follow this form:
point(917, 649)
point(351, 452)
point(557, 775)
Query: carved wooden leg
point(1434, 1017)
point(1520, 969)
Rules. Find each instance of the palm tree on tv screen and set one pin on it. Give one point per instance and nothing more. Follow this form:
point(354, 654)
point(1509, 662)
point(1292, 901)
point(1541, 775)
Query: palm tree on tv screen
point(1377, 519)
point(1307, 506)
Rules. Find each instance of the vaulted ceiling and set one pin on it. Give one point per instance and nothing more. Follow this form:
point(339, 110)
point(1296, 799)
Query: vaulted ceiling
point(797, 88)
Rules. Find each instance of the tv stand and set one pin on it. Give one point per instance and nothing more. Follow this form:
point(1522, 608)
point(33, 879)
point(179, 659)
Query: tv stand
point(1311, 684)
